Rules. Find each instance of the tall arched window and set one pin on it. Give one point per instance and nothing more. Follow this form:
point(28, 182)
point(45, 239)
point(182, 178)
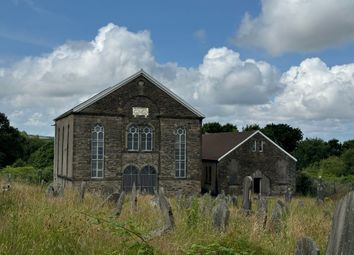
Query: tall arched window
point(97, 151)
point(133, 138)
point(180, 153)
point(148, 179)
point(130, 176)
point(146, 139)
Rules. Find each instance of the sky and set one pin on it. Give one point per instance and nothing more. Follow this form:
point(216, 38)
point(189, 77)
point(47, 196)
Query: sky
point(242, 62)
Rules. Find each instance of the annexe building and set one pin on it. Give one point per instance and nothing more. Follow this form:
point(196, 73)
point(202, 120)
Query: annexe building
point(137, 131)
point(229, 157)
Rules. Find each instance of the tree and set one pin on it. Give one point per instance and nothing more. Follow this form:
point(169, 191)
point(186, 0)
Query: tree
point(216, 127)
point(335, 147)
point(284, 135)
point(44, 156)
point(228, 127)
point(310, 151)
point(10, 142)
point(251, 127)
point(348, 160)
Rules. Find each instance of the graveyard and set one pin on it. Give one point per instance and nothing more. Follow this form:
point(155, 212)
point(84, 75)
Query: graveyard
point(36, 219)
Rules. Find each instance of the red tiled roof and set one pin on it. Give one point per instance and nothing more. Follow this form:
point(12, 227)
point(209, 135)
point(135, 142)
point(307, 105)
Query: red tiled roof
point(215, 145)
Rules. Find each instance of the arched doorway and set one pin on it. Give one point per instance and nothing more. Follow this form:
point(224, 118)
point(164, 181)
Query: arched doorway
point(148, 179)
point(130, 175)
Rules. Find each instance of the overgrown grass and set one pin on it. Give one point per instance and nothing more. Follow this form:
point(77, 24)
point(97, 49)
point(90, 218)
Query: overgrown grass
point(32, 223)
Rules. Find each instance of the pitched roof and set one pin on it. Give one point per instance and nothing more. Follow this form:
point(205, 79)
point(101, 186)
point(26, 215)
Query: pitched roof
point(109, 90)
point(216, 146)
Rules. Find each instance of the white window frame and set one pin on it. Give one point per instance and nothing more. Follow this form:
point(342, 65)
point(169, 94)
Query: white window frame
point(97, 129)
point(261, 143)
point(144, 140)
point(179, 144)
point(133, 134)
point(254, 146)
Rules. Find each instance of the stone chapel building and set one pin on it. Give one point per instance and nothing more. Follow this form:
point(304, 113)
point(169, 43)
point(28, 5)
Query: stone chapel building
point(137, 131)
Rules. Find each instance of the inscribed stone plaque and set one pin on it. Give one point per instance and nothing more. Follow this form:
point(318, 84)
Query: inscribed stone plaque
point(140, 111)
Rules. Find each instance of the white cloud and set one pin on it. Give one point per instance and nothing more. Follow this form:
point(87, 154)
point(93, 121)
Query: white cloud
point(226, 88)
point(298, 25)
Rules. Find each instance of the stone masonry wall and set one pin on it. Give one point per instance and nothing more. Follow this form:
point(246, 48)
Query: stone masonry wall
point(272, 162)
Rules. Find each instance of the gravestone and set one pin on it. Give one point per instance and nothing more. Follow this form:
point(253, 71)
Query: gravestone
point(288, 195)
point(55, 190)
point(341, 238)
point(221, 216)
point(134, 199)
point(320, 192)
point(262, 210)
point(247, 187)
point(167, 213)
point(278, 214)
point(306, 246)
point(82, 191)
point(118, 209)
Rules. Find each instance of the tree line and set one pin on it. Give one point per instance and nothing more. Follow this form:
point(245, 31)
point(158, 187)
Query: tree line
point(24, 156)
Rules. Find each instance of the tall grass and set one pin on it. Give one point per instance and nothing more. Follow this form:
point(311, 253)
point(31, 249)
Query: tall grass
point(32, 223)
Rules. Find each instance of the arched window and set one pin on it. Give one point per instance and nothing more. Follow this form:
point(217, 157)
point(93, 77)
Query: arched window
point(180, 153)
point(146, 139)
point(148, 179)
point(133, 138)
point(97, 151)
point(130, 176)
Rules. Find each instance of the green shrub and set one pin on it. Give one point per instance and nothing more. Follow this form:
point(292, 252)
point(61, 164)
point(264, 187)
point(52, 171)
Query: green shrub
point(25, 173)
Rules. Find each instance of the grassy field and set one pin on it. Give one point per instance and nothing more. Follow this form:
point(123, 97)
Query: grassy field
point(32, 223)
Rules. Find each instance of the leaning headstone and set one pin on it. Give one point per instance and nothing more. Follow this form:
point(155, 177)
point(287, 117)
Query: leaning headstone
point(82, 191)
point(118, 209)
point(278, 213)
point(288, 195)
point(60, 190)
point(306, 246)
point(55, 190)
point(221, 216)
point(134, 199)
point(166, 210)
point(247, 186)
point(51, 191)
point(8, 178)
point(320, 192)
point(262, 210)
point(341, 238)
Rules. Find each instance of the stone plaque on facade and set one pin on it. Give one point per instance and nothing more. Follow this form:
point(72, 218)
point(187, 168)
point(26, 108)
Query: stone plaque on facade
point(140, 111)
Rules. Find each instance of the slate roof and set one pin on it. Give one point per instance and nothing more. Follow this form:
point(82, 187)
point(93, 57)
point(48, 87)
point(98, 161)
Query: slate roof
point(215, 145)
point(109, 90)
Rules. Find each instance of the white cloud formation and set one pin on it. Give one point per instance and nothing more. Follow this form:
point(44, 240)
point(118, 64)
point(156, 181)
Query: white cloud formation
point(226, 88)
point(298, 25)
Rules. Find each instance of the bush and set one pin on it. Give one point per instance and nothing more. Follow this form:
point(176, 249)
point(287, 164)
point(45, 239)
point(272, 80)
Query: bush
point(29, 173)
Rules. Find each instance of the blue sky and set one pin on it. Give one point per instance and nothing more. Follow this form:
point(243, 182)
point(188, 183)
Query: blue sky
point(243, 62)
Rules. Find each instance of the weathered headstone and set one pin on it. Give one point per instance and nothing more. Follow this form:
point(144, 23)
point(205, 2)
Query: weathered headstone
point(341, 238)
point(119, 206)
point(247, 187)
point(134, 199)
point(221, 216)
point(278, 213)
point(166, 210)
point(262, 210)
point(82, 191)
point(55, 190)
point(288, 195)
point(306, 246)
point(320, 192)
